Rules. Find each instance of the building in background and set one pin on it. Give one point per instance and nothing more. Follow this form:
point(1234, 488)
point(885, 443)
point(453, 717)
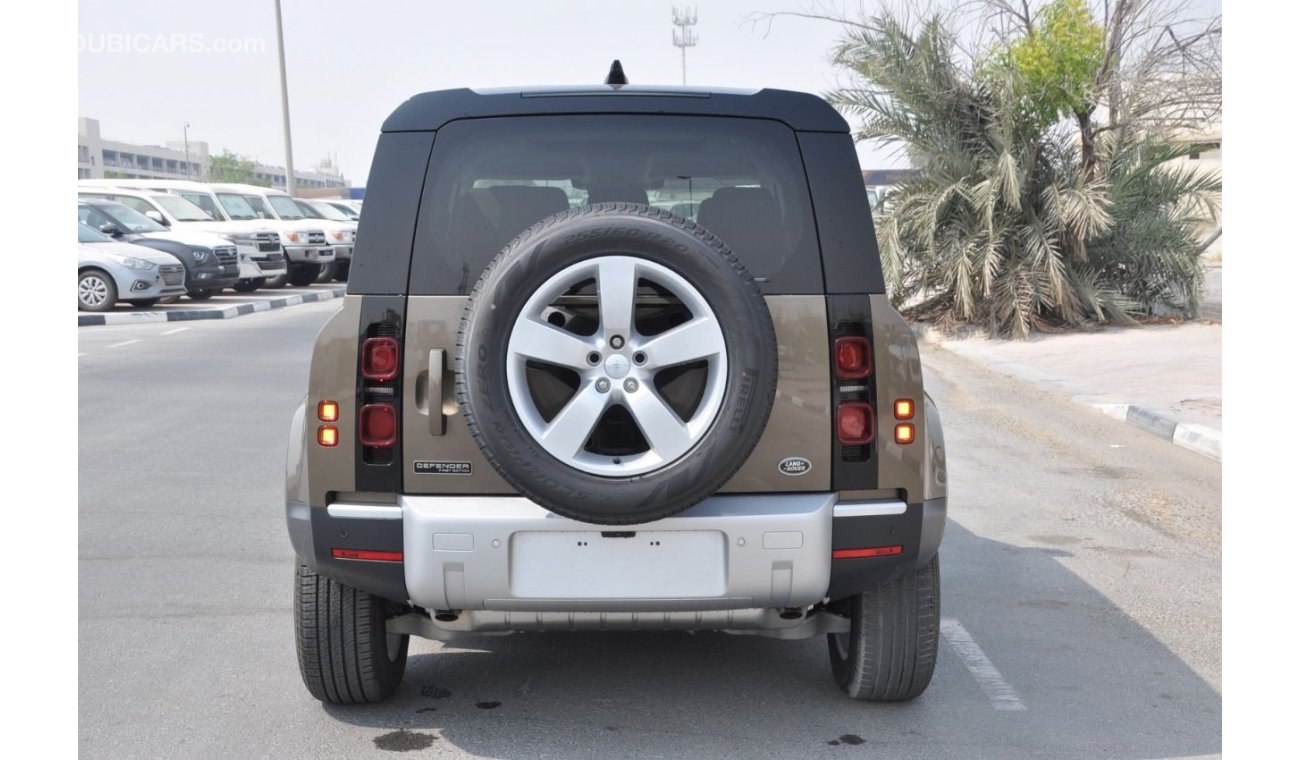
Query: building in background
point(99, 158)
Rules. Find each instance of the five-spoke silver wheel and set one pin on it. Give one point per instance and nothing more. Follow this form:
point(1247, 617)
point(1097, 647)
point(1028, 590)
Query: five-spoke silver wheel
point(617, 361)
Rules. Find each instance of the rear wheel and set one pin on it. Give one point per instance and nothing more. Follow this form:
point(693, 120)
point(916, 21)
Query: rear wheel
point(345, 653)
point(303, 274)
point(249, 285)
point(96, 291)
point(888, 654)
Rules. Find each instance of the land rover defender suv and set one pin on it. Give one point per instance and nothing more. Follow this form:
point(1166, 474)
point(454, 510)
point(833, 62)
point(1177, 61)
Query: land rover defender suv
point(550, 402)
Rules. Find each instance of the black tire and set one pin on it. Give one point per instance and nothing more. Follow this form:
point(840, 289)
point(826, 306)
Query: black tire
point(142, 303)
point(101, 283)
point(344, 652)
point(326, 273)
point(201, 294)
point(566, 239)
point(249, 285)
point(889, 653)
point(341, 270)
point(169, 299)
point(303, 274)
point(277, 282)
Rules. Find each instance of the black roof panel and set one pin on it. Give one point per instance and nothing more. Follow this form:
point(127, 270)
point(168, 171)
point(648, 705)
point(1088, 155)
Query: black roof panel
point(431, 110)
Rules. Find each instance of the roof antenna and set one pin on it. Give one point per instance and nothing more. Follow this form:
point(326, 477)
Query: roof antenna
point(616, 75)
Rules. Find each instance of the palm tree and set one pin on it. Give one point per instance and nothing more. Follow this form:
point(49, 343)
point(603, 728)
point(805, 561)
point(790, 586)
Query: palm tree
point(1003, 227)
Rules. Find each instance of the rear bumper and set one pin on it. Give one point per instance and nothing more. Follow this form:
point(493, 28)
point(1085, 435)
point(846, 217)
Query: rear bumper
point(506, 554)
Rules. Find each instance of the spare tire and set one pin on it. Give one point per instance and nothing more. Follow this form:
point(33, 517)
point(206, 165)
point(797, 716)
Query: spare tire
point(616, 363)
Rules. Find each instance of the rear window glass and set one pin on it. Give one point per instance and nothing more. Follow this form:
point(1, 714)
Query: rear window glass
point(490, 179)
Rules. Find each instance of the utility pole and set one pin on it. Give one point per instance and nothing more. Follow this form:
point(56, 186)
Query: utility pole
point(187, 150)
point(683, 34)
point(290, 186)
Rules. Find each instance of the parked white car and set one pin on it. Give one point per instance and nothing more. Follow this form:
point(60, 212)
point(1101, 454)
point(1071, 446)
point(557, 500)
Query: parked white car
point(109, 271)
point(305, 243)
point(350, 209)
point(342, 233)
point(260, 255)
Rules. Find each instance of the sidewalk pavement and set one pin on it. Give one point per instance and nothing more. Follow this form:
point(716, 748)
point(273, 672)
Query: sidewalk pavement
point(1166, 379)
point(227, 305)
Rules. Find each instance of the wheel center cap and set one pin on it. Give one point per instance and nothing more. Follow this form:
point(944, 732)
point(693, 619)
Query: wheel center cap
point(617, 366)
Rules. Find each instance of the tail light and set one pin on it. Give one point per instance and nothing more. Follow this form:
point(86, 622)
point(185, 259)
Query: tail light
point(376, 556)
point(379, 359)
point(904, 432)
point(379, 393)
point(852, 357)
point(867, 551)
point(855, 423)
point(378, 425)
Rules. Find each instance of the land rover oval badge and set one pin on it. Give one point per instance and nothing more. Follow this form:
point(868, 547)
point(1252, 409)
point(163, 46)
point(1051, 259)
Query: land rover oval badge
point(794, 466)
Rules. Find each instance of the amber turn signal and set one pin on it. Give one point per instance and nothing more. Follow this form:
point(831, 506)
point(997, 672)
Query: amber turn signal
point(328, 411)
point(327, 435)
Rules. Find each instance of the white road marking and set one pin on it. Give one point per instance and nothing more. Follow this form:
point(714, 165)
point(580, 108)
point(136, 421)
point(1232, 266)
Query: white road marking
point(989, 679)
point(124, 343)
point(175, 330)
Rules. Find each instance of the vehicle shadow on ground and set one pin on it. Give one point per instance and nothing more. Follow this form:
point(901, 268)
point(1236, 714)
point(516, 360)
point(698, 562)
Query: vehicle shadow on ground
point(1091, 680)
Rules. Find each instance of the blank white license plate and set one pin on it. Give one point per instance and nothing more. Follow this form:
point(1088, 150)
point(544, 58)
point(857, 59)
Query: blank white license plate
point(647, 565)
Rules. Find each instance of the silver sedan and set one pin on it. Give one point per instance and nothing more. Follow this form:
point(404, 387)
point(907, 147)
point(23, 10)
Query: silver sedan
point(109, 271)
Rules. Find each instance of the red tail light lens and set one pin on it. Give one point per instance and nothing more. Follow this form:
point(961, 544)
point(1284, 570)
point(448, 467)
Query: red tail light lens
point(852, 357)
point(855, 424)
point(379, 359)
point(378, 427)
point(870, 551)
point(366, 554)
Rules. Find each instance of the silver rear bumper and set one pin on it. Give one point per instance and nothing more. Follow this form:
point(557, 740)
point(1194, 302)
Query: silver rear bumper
point(506, 554)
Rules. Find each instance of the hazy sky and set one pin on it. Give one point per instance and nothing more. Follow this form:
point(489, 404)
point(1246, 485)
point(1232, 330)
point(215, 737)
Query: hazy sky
point(351, 63)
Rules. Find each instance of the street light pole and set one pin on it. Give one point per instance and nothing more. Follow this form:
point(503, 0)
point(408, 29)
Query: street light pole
point(187, 150)
point(290, 186)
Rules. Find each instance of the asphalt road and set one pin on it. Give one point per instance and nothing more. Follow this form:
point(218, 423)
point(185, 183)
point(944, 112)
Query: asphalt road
point(1081, 594)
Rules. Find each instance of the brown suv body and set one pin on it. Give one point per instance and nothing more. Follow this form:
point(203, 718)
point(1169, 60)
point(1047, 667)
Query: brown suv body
point(810, 519)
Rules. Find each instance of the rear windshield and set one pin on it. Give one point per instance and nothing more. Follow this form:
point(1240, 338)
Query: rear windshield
point(490, 179)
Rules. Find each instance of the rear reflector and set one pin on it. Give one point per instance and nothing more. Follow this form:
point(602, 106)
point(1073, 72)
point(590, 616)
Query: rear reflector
point(378, 426)
point(904, 432)
point(327, 435)
point(379, 359)
point(873, 551)
point(904, 409)
point(855, 424)
point(366, 554)
point(852, 357)
point(328, 411)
